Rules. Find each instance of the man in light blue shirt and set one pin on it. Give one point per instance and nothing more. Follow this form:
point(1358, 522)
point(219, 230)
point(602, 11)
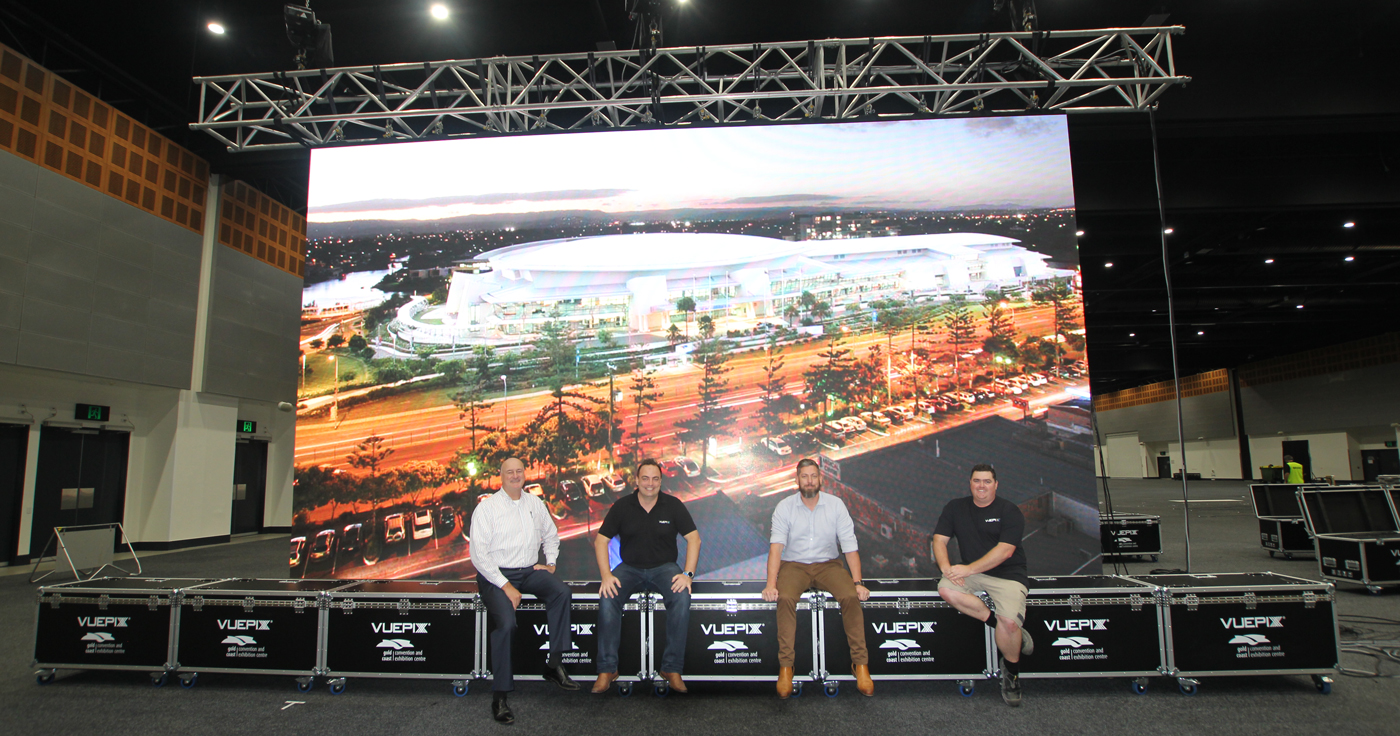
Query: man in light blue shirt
point(811, 530)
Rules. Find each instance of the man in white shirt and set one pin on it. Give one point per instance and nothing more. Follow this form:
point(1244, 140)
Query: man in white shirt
point(508, 530)
point(811, 531)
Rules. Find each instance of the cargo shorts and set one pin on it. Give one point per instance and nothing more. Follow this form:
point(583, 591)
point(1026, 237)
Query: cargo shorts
point(1008, 596)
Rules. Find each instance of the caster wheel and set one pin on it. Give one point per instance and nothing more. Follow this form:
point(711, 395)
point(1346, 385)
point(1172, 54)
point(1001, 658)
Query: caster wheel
point(1187, 688)
point(43, 678)
point(832, 689)
point(459, 690)
point(1373, 589)
point(624, 689)
point(337, 688)
point(796, 690)
point(189, 682)
point(304, 685)
point(1271, 553)
point(661, 690)
point(1287, 555)
point(158, 680)
point(1323, 684)
point(1139, 688)
point(966, 690)
point(1154, 558)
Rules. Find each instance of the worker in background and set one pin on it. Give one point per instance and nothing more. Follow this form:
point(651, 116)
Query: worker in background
point(1293, 471)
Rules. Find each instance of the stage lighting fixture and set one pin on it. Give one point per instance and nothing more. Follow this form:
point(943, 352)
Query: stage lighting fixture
point(310, 37)
point(439, 11)
point(217, 28)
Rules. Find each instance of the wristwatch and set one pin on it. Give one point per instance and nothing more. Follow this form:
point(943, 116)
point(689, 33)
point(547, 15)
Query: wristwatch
point(689, 574)
point(857, 582)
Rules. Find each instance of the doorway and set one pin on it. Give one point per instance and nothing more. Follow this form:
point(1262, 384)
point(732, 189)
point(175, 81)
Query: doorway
point(1164, 466)
point(1299, 450)
point(249, 486)
point(1376, 463)
point(14, 448)
point(81, 479)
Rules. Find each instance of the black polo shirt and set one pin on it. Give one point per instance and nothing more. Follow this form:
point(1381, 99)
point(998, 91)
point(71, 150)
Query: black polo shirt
point(979, 529)
point(647, 540)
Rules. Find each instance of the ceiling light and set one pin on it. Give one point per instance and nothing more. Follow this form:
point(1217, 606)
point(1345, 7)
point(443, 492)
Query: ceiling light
point(1300, 306)
point(216, 28)
point(1168, 231)
point(1268, 260)
point(1348, 224)
point(1079, 233)
point(1108, 265)
point(439, 11)
point(1132, 334)
point(1349, 259)
point(1200, 332)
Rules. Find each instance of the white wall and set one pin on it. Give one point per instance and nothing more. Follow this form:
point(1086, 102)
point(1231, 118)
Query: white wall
point(1211, 458)
point(1123, 455)
point(1330, 453)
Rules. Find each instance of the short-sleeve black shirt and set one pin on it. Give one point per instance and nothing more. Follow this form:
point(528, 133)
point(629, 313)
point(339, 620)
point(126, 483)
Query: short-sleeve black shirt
point(978, 530)
point(647, 540)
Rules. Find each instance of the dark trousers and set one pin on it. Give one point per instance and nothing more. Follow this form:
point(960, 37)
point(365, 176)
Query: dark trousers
point(556, 597)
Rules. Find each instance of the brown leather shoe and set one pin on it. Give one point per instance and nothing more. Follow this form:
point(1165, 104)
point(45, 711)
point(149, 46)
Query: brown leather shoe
point(784, 682)
point(604, 681)
point(864, 684)
point(674, 680)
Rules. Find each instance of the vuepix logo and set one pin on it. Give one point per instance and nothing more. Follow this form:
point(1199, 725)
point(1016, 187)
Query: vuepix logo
point(400, 627)
point(578, 629)
point(99, 622)
point(732, 630)
point(245, 624)
point(1083, 624)
point(903, 627)
point(1253, 622)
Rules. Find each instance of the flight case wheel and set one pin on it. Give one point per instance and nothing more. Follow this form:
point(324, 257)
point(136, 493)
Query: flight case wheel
point(158, 679)
point(459, 688)
point(832, 688)
point(661, 689)
point(624, 689)
point(189, 681)
point(1186, 685)
point(966, 688)
point(304, 684)
point(1271, 553)
point(796, 690)
point(1323, 683)
point(44, 677)
point(337, 686)
point(1140, 685)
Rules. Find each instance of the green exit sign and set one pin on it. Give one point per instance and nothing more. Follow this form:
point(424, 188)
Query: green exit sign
point(247, 427)
point(92, 413)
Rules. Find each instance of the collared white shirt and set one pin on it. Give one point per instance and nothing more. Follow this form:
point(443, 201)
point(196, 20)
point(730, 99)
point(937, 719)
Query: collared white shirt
point(507, 533)
point(813, 535)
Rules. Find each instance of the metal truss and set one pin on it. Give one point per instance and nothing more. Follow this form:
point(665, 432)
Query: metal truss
point(1086, 71)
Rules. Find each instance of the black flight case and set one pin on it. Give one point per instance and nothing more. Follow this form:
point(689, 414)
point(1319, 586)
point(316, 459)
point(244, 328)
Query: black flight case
point(1257, 623)
point(911, 633)
point(733, 636)
point(422, 629)
point(530, 650)
point(1130, 535)
point(255, 627)
point(1094, 626)
point(108, 624)
point(1282, 529)
point(1357, 534)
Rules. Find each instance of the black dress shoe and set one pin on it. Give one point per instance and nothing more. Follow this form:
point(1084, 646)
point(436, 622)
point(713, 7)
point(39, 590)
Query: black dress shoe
point(500, 710)
point(560, 676)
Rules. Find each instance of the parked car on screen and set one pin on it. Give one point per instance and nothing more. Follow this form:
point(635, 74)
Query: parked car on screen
point(597, 490)
point(926, 406)
point(572, 492)
point(394, 528)
point(835, 428)
point(777, 446)
point(447, 518)
point(323, 545)
point(854, 424)
point(422, 524)
point(691, 468)
point(535, 489)
point(1008, 387)
point(298, 547)
point(801, 440)
point(671, 469)
point(350, 538)
point(899, 414)
point(880, 418)
point(1037, 379)
point(615, 482)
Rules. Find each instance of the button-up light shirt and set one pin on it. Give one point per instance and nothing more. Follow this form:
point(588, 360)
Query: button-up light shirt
point(507, 533)
point(813, 535)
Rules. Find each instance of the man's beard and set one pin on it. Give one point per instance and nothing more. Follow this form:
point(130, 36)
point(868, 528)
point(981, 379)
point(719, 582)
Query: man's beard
point(809, 494)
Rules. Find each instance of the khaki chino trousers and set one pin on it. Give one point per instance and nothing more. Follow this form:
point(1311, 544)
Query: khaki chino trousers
point(794, 578)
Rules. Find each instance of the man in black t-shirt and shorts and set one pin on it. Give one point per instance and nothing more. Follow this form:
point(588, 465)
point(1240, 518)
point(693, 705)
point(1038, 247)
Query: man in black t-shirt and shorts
point(989, 532)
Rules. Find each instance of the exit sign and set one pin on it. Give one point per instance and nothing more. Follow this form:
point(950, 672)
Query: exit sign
point(92, 413)
point(247, 427)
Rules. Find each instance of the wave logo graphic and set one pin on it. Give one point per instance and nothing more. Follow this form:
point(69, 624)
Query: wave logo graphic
point(239, 641)
point(902, 645)
point(729, 645)
point(1252, 640)
point(98, 636)
point(545, 646)
point(1072, 641)
point(395, 644)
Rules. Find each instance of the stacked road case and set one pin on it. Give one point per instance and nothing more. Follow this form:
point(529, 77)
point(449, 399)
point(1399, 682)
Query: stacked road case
point(418, 629)
point(911, 633)
point(1130, 535)
point(109, 624)
point(263, 627)
point(1094, 626)
point(1282, 529)
point(1357, 534)
point(1246, 624)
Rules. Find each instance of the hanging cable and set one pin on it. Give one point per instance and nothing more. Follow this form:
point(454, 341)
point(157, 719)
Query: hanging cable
point(1171, 324)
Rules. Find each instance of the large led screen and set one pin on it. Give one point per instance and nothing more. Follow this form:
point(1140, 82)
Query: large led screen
point(899, 299)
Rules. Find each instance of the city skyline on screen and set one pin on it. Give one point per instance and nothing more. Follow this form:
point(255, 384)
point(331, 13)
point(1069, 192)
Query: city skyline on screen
point(925, 165)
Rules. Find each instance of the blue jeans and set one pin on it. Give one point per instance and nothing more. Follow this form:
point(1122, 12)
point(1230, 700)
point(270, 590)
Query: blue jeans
point(634, 580)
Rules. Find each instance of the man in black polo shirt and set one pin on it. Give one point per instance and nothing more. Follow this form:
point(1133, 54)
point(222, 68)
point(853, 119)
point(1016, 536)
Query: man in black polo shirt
point(646, 524)
point(989, 532)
